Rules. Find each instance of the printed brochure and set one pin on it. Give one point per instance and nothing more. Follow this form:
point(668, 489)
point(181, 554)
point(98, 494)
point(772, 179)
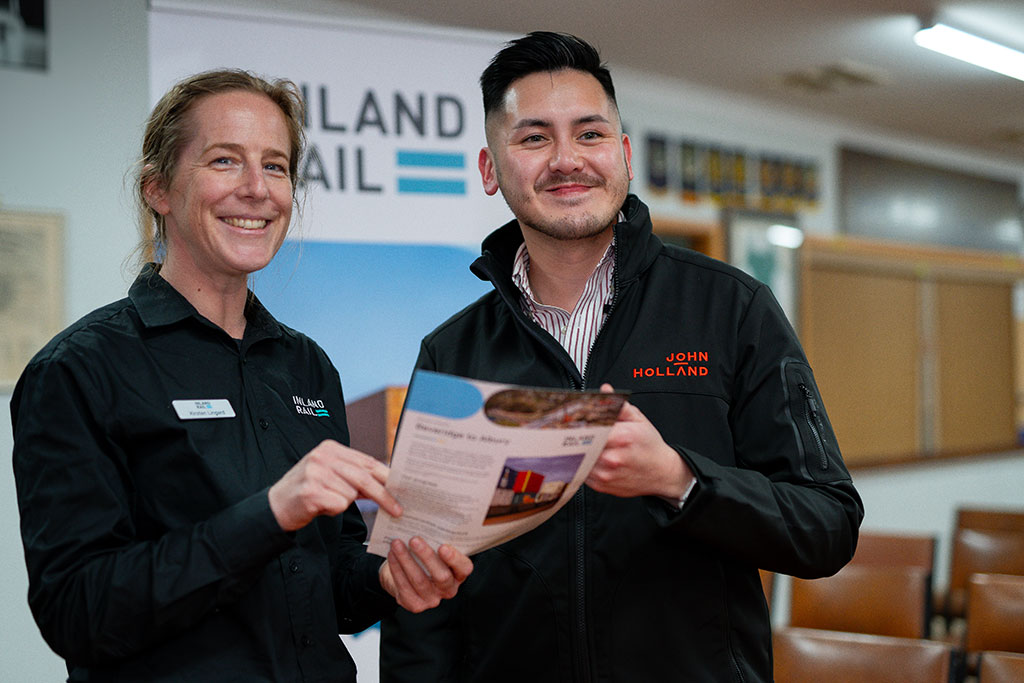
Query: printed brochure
point(476, 463)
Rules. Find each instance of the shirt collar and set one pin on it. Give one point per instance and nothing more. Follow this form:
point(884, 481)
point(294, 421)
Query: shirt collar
point(521, 272)
point(521, 266)
point(158, 304)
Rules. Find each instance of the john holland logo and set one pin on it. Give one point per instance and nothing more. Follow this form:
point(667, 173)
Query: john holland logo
point(310, 406)
point(678, 364)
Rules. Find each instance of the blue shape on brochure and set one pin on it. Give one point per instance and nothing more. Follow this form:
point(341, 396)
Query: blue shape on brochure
point(443, 395)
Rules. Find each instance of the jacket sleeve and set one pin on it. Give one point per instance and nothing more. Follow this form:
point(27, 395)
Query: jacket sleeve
point(99, 589)
point(789, 504)
point(424, 646)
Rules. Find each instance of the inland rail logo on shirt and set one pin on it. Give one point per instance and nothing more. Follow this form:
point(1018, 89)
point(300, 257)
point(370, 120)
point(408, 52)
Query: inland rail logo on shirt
point(677, 364)
point(310, 406)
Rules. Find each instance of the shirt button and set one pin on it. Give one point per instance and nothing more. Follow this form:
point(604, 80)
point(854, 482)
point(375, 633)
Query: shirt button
point(307, 641)
point(264, 424)
point(295, 567)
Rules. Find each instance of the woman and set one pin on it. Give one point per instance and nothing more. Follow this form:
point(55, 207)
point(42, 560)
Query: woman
point(182, 518)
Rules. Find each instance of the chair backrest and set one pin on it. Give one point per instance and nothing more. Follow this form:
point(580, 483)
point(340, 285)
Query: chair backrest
point(895, 549)
point(995, 613)
point(811, 656)
point(1001, 667)
point(990, 518)
point(767, 584)
point(888, 601)
point(981, 551)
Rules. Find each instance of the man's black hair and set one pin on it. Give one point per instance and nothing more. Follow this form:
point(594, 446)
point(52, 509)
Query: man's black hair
point(536, 52)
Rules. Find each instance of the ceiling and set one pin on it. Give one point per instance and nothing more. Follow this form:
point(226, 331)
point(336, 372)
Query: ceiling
point(804, 54)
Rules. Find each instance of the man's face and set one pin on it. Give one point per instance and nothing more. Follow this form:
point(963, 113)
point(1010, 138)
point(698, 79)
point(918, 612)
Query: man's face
point(557, 153)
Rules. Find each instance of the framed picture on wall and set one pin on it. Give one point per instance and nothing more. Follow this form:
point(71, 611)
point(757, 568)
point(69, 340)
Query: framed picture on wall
point(766, 246)
point(31, 288)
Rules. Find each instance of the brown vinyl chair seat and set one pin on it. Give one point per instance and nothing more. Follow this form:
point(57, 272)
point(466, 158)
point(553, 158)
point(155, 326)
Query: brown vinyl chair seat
point(995, 613)
point(888, 601)
point(1001, 667)
point(815, 656)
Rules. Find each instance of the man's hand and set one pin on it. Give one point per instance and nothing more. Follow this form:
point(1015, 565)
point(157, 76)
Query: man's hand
point(325, 482)
point(636, 461)
point(415, 589)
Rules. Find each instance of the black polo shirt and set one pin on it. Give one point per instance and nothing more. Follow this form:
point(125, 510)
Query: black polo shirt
point(145, 440)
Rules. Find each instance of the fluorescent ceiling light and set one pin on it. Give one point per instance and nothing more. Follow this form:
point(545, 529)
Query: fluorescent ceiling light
point(785, 236)
point(970, 48)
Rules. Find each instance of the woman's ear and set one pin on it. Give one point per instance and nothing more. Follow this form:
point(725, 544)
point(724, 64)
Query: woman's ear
point(154, 192)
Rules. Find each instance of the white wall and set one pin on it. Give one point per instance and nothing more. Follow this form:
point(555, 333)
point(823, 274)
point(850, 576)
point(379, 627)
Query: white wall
point(69, 135)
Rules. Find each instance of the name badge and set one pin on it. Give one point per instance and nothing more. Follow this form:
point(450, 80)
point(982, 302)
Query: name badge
point(203, 409)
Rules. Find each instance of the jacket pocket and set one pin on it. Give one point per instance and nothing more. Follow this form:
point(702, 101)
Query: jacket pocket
point(806, 411)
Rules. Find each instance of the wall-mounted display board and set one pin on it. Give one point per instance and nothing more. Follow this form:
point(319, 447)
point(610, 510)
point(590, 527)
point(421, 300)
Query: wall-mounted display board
point(31, 287)
point(707, 238)
point(914, 348)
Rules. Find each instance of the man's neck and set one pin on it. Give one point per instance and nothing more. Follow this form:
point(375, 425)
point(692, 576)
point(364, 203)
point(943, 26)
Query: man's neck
point(559, 269)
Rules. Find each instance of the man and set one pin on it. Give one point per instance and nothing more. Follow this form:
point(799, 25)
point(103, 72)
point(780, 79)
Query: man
point(723, 462)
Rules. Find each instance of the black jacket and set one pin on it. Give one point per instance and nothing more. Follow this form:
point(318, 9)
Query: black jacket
point(152, 551)
point(618, 589)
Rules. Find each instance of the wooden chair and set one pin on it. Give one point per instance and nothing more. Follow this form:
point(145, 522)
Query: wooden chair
point(889, 549)
point(768, 585)
point(990, 518)
point(1004, 521)
point(981, 551)
point(995, 613)
point(888, 601)
point(811, 656)
point(1001, 667)
point(895, 549)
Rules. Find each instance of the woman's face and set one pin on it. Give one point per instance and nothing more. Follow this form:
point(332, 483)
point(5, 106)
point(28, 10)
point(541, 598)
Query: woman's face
point(229, 203)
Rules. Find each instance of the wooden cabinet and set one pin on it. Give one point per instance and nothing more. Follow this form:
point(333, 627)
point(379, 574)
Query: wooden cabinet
point(914, 349)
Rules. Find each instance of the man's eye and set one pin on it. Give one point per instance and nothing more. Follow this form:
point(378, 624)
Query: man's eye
point(534, 138)
point(590, 135)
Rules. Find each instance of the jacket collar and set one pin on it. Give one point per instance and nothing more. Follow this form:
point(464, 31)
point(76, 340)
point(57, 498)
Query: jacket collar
point(635, 246)
point(159, 304)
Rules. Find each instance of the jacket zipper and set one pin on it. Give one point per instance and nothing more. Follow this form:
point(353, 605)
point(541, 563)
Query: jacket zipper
point(583, 657)
point(579, 505)
point(607, 313)
point(814, 423)
point(583, 649)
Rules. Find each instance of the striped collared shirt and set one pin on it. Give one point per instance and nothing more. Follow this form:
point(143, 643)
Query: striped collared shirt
point(575, 331)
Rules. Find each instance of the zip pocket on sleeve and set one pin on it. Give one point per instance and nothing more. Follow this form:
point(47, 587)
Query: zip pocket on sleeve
point(807, 414)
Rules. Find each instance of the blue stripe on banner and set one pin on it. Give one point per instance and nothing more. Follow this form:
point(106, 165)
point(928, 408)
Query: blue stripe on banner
point(431, 159)
point(431, 186)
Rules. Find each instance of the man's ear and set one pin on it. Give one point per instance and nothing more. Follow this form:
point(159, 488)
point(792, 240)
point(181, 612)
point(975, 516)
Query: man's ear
point(155, 194)
point(487, 171)
point(627, 152)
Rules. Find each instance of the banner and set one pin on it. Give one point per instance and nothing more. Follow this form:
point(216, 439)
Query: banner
point(394, 117)
point(394, 210)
